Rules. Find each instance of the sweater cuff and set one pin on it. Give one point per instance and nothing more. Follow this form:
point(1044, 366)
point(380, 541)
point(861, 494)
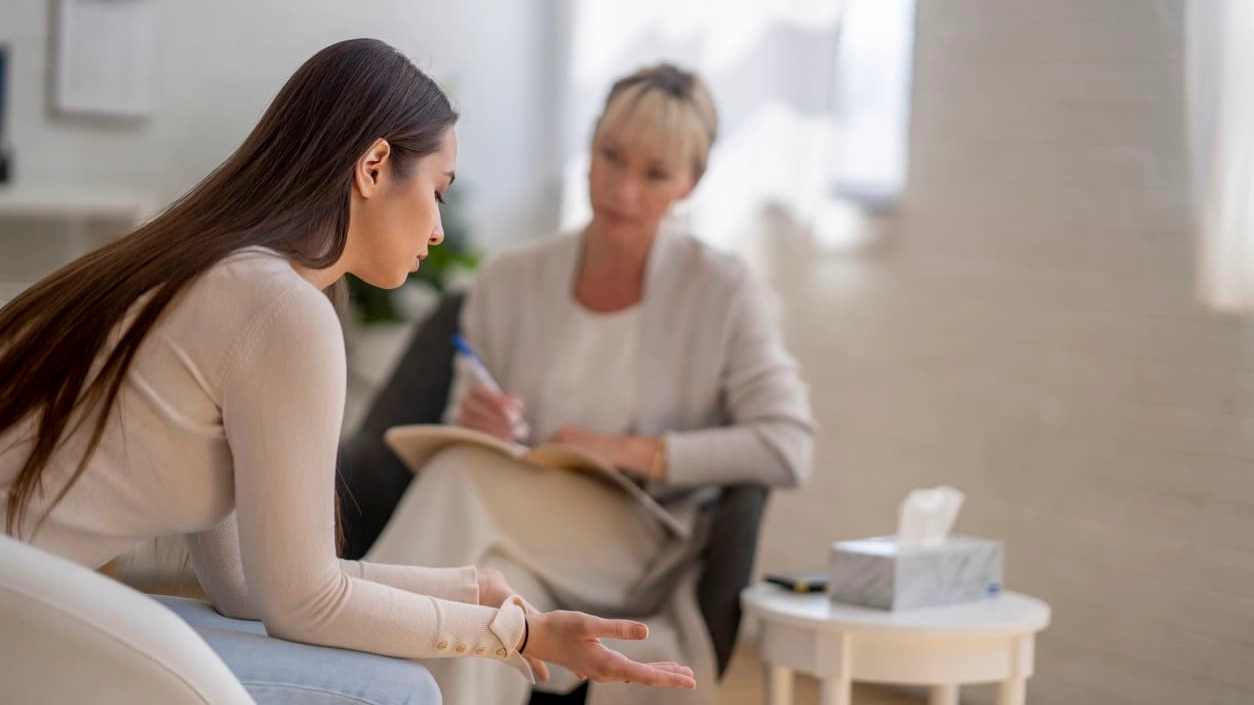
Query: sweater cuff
point(509, 626)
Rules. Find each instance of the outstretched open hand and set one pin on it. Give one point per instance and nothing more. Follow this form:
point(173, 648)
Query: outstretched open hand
point(573, 640)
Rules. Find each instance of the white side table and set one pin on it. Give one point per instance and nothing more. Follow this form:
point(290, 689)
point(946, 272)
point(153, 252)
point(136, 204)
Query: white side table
point(941, 647)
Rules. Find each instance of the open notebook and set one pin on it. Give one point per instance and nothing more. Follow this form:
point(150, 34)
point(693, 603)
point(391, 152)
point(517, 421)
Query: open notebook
point(416, 444)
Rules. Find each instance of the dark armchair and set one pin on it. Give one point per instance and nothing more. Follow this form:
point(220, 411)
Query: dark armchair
point(372, 480)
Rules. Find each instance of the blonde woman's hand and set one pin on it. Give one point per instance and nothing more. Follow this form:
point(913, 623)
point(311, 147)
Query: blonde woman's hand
point(631, 454)
point(483, 409)
point(573, 640)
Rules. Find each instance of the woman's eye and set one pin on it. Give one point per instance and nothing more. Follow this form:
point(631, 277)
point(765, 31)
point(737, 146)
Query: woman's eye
point(659, 175)
point(439, 199)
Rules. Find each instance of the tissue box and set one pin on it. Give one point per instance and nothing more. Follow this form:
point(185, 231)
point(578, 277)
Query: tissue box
point(877, 572)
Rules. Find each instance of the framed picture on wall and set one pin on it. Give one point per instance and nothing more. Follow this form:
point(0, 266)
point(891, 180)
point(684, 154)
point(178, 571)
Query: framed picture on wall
point(104, 57)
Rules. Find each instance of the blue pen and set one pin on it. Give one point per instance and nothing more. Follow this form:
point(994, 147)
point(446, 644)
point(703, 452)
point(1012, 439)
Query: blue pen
point(485, 378)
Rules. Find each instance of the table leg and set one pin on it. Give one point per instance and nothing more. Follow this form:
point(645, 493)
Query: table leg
point(835, 691)
point(943, 695)
point(778, 684)
point(1012, 691)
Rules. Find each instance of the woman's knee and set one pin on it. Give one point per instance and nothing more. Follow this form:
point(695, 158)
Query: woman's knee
point(278, 672)
point(384, 681)
point(414, 685)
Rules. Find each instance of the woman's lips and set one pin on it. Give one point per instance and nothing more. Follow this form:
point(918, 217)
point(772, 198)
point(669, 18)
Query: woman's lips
point(614, 216)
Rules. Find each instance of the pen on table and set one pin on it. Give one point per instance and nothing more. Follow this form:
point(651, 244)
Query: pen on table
point(485, 378)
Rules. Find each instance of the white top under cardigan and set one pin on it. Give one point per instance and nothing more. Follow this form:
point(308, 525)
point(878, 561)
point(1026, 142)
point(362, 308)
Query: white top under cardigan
point(601, 347)
point(232, 408)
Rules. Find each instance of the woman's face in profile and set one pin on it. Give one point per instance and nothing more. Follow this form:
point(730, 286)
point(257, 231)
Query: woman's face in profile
point(399, 221)
point(632, 184)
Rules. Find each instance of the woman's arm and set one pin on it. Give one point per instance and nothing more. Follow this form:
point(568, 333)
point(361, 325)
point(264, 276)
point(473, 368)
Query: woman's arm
point(282, 401)
point(216, 558)
point(769, 436)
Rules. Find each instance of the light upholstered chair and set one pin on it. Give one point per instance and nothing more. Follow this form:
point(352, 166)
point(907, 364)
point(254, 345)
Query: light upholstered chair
point(71, 635)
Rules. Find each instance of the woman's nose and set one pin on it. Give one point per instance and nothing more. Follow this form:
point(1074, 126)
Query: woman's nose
point(627, 189)
point(437, 233)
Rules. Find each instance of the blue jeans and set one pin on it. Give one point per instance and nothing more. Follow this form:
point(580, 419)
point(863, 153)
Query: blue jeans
point(278, 672)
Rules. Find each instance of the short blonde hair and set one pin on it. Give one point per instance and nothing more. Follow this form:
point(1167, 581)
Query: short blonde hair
point(667, 109)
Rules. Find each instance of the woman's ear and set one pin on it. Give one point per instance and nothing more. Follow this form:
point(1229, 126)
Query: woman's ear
point(371, 168)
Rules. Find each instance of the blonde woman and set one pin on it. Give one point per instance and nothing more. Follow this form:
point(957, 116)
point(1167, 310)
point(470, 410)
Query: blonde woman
point(643, 346)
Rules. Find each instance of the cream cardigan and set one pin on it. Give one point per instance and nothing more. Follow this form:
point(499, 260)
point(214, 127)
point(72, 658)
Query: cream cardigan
point(713, 374)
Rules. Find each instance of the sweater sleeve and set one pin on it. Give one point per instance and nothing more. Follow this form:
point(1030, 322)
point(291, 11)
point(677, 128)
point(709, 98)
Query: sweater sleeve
point(282, 401)
point(769, 437)
point(216, 556)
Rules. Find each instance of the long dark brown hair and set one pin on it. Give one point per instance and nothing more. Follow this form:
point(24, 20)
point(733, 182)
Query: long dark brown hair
point(287, 187)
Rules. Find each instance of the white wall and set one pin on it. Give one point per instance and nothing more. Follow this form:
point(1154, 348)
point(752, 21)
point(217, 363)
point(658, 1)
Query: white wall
point(219, 64)
point(1027, 332)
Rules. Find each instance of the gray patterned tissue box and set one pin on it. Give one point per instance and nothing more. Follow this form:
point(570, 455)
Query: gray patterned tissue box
point(877, 572)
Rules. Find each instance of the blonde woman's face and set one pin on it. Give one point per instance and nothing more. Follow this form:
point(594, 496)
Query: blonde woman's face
point(632, 186)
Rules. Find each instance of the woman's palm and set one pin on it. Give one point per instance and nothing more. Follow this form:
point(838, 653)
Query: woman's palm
point(573, 640)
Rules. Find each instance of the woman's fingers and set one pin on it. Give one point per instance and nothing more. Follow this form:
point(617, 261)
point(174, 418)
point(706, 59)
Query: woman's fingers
point(484, 403)
point(624, 669)
point(485, 410)
point(541, 668)
point(498, 403)
point(486, 424)
point(483, 417)
point(673, 667)
point(626, 629)
point(614, 666)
